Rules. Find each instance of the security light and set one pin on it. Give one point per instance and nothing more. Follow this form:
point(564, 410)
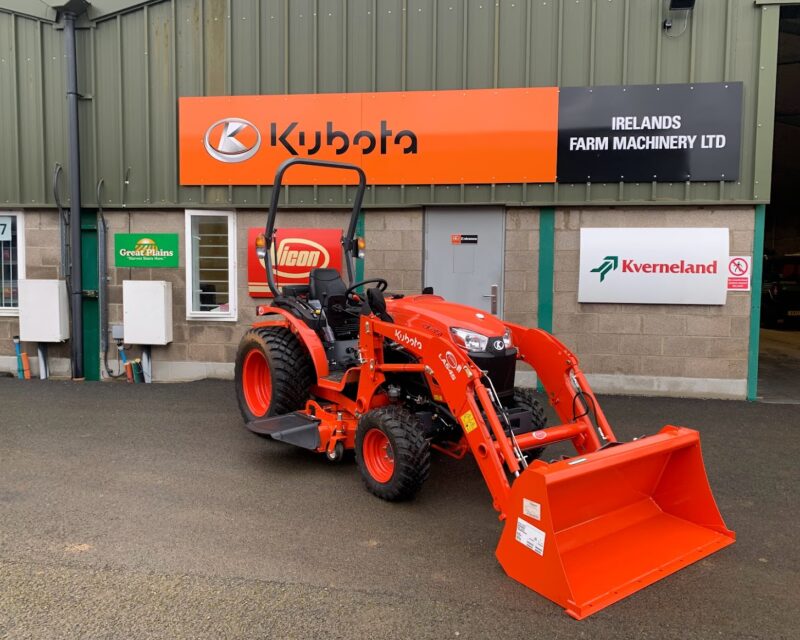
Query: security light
point(684, 6)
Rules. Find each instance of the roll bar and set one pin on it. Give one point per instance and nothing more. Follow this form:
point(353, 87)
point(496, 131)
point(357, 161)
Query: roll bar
point(348, 238)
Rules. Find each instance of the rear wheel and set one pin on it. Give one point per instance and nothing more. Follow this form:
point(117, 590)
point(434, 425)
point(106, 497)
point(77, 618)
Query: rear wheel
point(273, 373)
point(392, 453)
point(526, 399)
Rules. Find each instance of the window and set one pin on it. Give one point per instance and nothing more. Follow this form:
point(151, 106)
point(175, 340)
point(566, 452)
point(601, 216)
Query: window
point(211, 265)
point(12, 261)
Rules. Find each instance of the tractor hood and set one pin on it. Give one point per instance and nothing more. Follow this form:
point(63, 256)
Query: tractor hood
point(435, 315)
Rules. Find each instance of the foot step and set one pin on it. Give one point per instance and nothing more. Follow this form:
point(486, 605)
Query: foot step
point(296, 428)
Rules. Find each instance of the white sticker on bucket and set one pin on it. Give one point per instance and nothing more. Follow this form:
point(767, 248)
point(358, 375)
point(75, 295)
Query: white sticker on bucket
point(532, 509)
point(530, 536)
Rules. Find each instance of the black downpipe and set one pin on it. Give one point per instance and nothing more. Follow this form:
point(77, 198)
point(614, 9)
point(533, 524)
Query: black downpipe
point(76, 332)
point(348, 238)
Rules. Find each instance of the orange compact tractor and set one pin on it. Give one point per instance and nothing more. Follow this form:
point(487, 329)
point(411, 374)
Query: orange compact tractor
point(329, 369)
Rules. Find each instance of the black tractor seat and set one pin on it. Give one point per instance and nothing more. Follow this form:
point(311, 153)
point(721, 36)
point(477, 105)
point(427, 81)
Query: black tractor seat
point(327, 286)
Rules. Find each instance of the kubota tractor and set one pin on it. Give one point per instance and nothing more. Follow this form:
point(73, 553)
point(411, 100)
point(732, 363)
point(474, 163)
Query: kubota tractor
point(330, 369)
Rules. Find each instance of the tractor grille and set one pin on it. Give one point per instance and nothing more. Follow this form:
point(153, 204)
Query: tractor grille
point(500, 368)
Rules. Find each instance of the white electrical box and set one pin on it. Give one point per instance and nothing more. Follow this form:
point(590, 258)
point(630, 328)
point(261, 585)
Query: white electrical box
point(43, 311)
point(147, 311)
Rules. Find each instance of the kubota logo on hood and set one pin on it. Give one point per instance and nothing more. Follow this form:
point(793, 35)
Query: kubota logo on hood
point(232, 140)
point(296, 257)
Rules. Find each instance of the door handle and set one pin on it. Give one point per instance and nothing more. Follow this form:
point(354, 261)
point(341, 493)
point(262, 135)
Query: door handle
point(493, 297)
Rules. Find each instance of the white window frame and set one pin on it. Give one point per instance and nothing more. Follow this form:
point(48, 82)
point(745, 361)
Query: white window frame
point(233, 280)
point(14, 311)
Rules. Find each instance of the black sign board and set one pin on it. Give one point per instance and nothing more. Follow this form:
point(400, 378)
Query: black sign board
point(650, 133)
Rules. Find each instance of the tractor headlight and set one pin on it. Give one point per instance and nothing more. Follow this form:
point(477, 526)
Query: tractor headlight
point(470, 340)
point(507, 339)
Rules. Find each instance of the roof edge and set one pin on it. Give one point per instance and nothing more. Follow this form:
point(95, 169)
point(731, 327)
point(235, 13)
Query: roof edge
point(30, 8)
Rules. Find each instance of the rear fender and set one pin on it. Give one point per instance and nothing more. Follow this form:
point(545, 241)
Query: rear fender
point(307, 335)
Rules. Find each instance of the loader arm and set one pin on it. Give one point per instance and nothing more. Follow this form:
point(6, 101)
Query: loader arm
point(462, 391)
point(567, 390)
point(585, 531)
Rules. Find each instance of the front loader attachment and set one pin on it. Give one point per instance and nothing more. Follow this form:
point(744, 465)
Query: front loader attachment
point(588, 531)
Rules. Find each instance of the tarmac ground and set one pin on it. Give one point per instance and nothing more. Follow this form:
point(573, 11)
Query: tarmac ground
point(779, 366)
point(148, 511)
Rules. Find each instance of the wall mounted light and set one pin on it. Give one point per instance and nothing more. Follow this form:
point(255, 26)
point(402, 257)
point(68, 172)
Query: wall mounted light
point(683, 6)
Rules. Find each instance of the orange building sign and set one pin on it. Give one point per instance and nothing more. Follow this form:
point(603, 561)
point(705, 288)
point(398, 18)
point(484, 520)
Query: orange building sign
point(421, 137)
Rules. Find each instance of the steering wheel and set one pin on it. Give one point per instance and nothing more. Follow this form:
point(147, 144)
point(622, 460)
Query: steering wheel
point(382, 284)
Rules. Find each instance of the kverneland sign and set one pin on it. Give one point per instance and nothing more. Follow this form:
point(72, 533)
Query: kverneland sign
point(653, 266)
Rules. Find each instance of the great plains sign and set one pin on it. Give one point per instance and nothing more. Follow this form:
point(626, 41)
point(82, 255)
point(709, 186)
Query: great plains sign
point(654, 266)
point(146, 250)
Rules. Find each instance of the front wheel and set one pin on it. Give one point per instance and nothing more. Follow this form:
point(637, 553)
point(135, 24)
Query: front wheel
point(392, 454)
point(526, 399)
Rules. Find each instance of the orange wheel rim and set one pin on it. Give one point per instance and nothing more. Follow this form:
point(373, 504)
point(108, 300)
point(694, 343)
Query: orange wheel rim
point(378, 455)
point(257, 382)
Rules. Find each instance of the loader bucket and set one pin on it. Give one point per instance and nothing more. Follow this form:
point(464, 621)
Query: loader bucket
point(591, 530)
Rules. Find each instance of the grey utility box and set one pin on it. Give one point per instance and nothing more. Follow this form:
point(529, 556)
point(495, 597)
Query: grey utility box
point(147, 311)
point(43, 311)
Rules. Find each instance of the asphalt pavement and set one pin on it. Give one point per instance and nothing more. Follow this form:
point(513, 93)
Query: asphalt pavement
point(148, 511)
point(779, 366)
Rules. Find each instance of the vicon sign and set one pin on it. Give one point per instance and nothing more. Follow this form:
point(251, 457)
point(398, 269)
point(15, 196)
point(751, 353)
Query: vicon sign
point(296, 252)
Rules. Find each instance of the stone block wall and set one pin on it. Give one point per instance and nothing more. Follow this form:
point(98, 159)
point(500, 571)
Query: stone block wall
point(521, 266)
point(208, 347)
point(42, 261)
point(637, 347)
point(680, 350)
point(394, 248)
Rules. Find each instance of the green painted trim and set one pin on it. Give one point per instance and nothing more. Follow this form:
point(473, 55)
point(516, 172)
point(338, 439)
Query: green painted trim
point(755, 303)
point(360, 234)
point(91, 307)
point(547, 227)
point(547, 245)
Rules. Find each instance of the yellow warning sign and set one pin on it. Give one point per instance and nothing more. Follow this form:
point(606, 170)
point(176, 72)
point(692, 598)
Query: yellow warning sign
point(468, 420)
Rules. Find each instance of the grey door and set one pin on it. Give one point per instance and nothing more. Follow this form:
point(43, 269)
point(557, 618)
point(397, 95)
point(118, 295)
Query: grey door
point(464, 250)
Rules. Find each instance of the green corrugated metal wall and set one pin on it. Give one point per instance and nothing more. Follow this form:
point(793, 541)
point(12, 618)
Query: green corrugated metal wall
point(135, 64)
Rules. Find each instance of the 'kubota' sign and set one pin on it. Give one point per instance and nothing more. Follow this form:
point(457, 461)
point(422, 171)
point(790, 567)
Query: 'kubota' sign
point(653, 265)
point(418, 137)
point(296, 252)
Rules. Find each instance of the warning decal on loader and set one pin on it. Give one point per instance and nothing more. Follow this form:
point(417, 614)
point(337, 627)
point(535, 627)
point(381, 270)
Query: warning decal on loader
point(530, 536)
point(468, 420)
point(532, 509)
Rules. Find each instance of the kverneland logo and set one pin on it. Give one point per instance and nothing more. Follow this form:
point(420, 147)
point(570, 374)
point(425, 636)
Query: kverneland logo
point(296, 257)
point(610, 263)
point(631, 266)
